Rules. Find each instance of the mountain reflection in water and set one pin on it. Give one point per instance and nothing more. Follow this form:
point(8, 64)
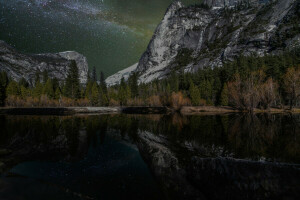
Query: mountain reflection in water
point(237, 156)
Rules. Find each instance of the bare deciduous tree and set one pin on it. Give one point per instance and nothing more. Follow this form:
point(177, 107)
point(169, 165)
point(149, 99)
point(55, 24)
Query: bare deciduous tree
point(291, 82)
point(268, 92)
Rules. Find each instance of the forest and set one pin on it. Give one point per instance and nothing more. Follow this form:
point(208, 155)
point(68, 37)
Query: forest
point(245, 83)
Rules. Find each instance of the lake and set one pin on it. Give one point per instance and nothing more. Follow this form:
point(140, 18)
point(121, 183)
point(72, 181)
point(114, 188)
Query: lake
point(118, 156)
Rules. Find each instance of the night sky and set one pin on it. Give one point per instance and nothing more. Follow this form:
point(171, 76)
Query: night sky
point(112, 34)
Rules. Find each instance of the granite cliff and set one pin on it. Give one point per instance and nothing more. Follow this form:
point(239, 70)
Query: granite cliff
point(19, 65)
point(215, 32)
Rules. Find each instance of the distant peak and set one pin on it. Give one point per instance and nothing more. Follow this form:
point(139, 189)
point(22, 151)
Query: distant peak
point(175, 5)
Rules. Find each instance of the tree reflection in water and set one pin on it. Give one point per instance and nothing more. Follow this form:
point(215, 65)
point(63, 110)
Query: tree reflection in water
point(272, 137)
point(196, 155)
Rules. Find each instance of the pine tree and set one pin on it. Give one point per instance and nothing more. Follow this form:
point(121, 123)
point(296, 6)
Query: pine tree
point(37, 77)
point(133, 83)
point(122, 95)
point(128, 92)
point(55, 83)
point(25, 92)
point(88, 90)
point(94, 74)
point(23, 82)
point(95, 95)
point(72, 87)
point(88, 76)
point(48, 89)
point(102, 98)
point(57, 94)
point(194, 94)
point(103, 83)
point(38, 90)
point(224, 96)
point(3, 85)
point(168, 89)
point(13, 88)
point(45, 76)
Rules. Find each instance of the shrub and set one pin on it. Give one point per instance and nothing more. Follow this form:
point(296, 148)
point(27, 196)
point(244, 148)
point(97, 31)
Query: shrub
point(113, 102)
point(154, 101)
point(178, 100)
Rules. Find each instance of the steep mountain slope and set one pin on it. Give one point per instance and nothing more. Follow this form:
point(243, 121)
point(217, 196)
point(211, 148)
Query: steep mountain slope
point(190, 38)
point(19, 65)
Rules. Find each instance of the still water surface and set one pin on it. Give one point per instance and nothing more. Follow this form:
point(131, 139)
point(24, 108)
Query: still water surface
point(150, 157)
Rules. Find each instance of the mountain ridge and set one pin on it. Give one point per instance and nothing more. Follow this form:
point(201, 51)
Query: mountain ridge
point(19, 65)
point(193, 37)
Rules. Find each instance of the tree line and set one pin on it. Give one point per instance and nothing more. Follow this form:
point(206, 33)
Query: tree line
point(245, 83)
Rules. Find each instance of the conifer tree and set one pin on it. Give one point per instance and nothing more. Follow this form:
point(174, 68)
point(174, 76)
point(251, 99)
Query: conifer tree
point(38, 90)
point(103, 83)
point(94, 74)
point(57, 94)
point(24, 92)
point(55, 83)
point(13, 88)
point(45, 76)
point(37, 77)
point(88, 76)
point(95, 95)
point(3, 85)
point(133, 84)
point(72, 87)
point(224, 96)
point(194, 94)
point(88, 90)
point(122, 92)
point(102, 98)
point(23, 82)
point(48, 89)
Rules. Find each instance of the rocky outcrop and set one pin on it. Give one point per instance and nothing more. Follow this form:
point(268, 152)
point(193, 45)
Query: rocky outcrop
point(193, 37)
point(229, 3)
point(19, 65)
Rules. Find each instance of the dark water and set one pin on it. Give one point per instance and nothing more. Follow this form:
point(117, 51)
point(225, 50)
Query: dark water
point(235, 156)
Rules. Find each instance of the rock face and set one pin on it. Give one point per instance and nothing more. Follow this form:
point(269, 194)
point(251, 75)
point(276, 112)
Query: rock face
point(190, 38)
point(19, 65)
point(228, 3)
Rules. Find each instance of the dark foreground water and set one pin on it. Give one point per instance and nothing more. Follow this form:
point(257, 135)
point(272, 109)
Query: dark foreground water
point(236, 156)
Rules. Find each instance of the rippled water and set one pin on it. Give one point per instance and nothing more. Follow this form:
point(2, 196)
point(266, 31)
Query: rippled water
point(236, 156)
point(112, 34)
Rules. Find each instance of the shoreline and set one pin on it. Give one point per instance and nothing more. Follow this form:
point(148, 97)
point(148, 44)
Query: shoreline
point(185, 110)
point(82, 110)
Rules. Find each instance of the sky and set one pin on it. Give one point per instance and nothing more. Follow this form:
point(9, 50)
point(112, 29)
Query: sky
point(112, 34)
